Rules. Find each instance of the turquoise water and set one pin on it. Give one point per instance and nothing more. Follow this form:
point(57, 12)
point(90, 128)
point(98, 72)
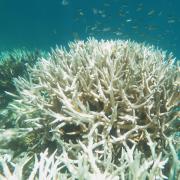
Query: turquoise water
point(45, 23)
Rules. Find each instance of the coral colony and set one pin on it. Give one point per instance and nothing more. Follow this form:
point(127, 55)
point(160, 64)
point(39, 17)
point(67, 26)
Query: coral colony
point(101, 110)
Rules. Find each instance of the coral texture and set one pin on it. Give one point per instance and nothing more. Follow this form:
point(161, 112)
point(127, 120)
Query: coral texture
point(14, 64)
point(109, 109)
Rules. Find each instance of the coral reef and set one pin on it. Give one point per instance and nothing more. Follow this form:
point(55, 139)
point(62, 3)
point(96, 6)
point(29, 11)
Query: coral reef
point(104, 109)
point(13, 64)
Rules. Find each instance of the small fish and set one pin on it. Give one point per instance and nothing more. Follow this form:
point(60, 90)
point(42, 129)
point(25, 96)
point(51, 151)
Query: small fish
point(64, 2)
point(81, 13)
point(151, 27)
point(171, 21)
point(106, 29)
point(139, 9)
point(135, 27)
point(103, 15)
point(150, 13)
point(93, 28)
point(121, 14)
point(118, 33)
point(124, 6)
point(128, 20)
point(95, 11)
point(100, 12)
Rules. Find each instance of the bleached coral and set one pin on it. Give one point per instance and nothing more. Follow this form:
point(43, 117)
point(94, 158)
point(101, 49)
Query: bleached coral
point(113, 102)
point(132, 166)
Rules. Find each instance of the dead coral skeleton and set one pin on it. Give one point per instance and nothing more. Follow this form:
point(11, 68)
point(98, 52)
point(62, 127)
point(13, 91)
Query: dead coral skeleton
point(87, 165)
point(103, 98)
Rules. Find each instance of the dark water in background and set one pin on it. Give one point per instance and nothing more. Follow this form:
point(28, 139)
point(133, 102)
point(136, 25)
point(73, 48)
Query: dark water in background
point(45, 23)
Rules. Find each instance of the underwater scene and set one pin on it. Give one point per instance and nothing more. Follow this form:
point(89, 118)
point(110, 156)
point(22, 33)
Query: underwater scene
point(90, 89)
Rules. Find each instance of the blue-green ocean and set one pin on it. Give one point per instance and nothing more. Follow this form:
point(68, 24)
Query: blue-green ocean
point(46, 23)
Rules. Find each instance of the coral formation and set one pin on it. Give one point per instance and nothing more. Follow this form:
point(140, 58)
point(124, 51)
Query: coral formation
point(13, 64)
point(108, 109)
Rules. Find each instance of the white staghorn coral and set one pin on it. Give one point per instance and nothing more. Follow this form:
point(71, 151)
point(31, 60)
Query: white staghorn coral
point(85, 166)
point(111, 102)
